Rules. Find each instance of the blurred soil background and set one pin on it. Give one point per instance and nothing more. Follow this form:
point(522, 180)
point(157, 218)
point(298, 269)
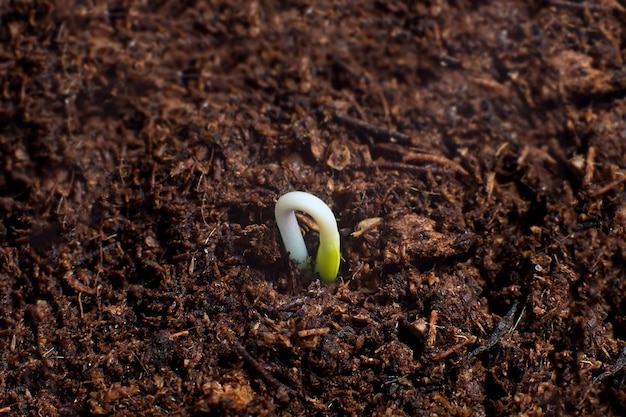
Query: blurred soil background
point(474, 153)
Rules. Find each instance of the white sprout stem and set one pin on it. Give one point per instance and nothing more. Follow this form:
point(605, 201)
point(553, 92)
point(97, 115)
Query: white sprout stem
point(290, 230)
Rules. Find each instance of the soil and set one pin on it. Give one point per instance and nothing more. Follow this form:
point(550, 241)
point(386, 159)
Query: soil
point(473, 152)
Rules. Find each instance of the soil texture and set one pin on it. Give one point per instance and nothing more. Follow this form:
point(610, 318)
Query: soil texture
point(473, 152)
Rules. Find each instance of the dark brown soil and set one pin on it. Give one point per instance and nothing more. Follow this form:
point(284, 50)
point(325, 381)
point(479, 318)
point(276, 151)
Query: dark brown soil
point(143, 145)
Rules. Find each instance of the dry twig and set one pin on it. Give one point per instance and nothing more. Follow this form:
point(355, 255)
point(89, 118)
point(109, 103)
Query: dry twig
point(259, 369)
point(609, 187)
point(377, 132)
point(619, 364)
point(506, 324)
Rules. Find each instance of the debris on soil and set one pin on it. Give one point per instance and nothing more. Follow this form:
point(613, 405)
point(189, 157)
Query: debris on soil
point(474, 154)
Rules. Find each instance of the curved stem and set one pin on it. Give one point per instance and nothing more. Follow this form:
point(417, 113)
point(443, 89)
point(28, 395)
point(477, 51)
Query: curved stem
point(328, 256)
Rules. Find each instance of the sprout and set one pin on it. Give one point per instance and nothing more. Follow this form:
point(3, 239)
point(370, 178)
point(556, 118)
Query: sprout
point(328, 255)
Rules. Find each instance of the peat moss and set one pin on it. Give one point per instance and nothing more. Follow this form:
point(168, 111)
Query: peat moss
point(143, 146)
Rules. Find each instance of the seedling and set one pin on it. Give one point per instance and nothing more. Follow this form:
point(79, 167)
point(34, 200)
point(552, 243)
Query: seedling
point(328, 255)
